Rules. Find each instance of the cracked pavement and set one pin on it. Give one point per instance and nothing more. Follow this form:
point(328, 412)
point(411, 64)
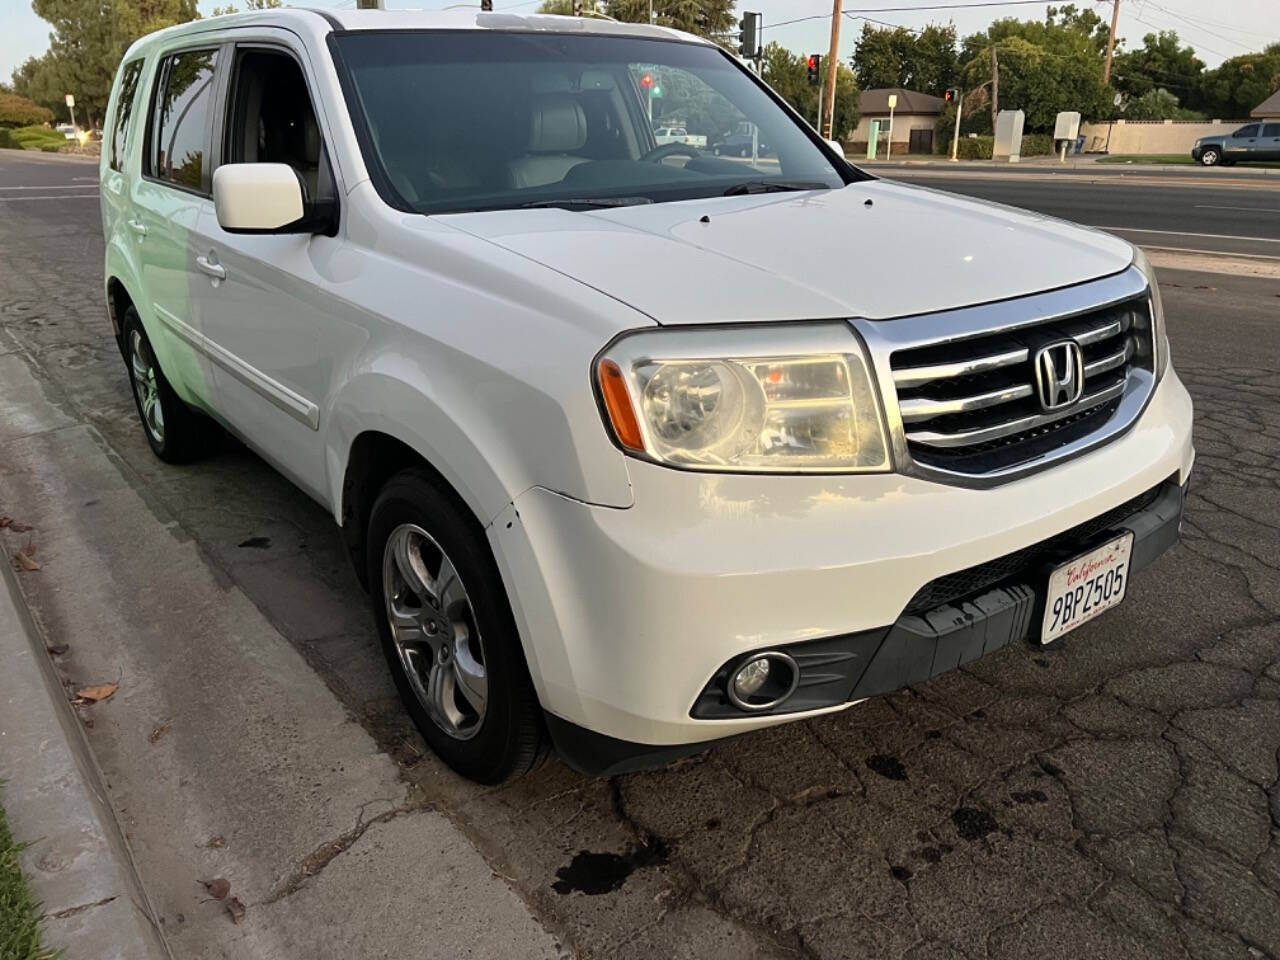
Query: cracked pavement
point(1116, 795)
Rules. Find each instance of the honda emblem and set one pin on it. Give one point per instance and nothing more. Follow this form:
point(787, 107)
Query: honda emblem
point(1059, 375)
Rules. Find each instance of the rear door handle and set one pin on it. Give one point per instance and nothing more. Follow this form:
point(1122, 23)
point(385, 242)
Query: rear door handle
point(138, 227)
point(215, 270)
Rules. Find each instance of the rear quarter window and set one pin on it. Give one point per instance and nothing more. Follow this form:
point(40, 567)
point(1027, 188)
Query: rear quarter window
point(124, 113)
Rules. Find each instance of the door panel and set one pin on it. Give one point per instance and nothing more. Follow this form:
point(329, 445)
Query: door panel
point(1271, 141)
point(167, 202)
point(278, 339)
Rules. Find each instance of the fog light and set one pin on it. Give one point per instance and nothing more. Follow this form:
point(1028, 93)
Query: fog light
point(748, 681)
point(763, 681)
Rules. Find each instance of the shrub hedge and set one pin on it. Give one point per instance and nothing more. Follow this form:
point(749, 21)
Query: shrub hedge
point(6, 139)
point(980, 148)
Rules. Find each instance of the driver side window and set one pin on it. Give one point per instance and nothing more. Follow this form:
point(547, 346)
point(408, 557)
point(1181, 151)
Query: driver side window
point(271, 119)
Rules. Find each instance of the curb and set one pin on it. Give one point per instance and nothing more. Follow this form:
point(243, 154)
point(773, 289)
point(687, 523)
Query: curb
point(77, 860)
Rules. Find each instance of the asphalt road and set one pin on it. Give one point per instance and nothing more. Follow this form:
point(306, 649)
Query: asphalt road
point(1242, 217)
point(1116, 796)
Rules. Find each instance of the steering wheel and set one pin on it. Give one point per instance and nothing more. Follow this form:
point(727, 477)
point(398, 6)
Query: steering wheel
point(660, 153)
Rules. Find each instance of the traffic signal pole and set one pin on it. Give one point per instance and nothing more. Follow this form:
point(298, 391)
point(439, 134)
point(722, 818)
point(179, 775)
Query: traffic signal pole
point(828, 111)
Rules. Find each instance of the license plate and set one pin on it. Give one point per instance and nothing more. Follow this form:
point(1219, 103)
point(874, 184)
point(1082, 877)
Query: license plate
point(1082, 588)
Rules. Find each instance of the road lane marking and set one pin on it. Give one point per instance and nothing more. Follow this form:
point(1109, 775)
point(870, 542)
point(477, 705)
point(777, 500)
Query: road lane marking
point(1178, 233)
point(1209, 261)
point(1214, 206)
point(55, 186)
point(78, 196)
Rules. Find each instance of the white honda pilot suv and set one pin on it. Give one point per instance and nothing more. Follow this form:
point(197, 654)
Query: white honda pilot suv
point(635, 447)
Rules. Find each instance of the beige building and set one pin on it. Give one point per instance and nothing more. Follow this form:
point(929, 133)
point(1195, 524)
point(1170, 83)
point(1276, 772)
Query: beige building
point(914, 118)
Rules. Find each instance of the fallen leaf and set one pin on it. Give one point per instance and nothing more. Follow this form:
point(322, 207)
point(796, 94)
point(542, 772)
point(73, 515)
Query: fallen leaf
point(160, 731)
point(218, 887)
point(17, 527)
point(97, 692)
point(216, 842)
point(24, 561)
point(236, 909)
point(5, 521)
point(58, 649)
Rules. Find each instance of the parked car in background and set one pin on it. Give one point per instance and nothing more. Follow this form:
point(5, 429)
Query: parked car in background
point(67, 130)
point(671, 135)
point(1253, 141)
point(739, 145)
point(632, 454)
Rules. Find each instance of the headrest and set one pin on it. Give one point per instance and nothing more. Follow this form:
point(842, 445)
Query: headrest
point(556, 125)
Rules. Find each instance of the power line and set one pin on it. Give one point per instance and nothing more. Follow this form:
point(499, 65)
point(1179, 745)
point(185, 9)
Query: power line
point(854, 14)
point(1201, 29)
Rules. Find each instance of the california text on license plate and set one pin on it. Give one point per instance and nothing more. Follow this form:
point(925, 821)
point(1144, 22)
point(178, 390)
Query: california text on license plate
point(1082, 588)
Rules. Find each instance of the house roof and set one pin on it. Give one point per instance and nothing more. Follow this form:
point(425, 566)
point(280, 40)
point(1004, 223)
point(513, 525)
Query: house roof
point(875, 102)
point(1269, 107)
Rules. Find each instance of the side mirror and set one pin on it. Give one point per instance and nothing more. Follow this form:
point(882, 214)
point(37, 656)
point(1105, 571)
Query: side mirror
point(837, 146)
point(260, 198)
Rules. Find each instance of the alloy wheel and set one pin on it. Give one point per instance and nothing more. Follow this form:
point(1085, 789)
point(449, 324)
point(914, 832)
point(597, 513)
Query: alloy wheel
point(434, 630)
point(142, 365)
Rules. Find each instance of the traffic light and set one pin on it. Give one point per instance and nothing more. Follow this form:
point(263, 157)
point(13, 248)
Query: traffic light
point(949, 96)
point(749, 35)
point(815, 65)
point(646, 81)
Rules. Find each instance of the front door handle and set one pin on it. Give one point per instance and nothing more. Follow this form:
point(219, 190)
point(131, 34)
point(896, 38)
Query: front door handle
point(215, 270)
point(138, 227)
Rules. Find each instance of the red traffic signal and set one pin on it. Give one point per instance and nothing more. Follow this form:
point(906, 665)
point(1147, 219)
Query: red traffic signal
point(949, 96)
point(646, 80)
point(814, 63)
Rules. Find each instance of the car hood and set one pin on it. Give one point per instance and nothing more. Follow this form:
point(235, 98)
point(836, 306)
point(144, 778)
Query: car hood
point(873, 249)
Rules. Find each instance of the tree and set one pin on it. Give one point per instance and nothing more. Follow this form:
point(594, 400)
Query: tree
point(1160, 62)
point(1158, 104)
point(788, 74)
point(924, 60)
point(1045, 67)
point(248, 5)
point(18, 111)
point(712, 19)
point(1240, 84)
point(89, 39)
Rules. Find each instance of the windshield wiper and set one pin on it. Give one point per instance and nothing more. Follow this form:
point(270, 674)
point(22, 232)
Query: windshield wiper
point(774, 186)
point(589, 203)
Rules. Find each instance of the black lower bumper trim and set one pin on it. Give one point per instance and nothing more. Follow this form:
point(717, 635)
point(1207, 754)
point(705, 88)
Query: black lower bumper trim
point(598, 755)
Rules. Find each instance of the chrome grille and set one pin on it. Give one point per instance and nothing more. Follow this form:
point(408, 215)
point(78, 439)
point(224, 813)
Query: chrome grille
point(972, 406)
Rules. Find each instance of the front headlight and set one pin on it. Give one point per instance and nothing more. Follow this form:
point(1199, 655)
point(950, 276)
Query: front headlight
point(1159, 337)
point(786, 398)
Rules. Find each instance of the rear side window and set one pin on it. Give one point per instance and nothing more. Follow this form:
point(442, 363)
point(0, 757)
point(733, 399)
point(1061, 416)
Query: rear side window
point(1249, 131)
point(1271, 129)
point(124, 112)
point(179, 148)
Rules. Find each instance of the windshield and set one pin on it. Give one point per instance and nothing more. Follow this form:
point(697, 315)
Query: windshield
point(482, 120)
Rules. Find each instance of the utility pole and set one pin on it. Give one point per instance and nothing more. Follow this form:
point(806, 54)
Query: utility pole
point(1111, 43)
point(955, 139)
point(995, 87)
point(828, 112)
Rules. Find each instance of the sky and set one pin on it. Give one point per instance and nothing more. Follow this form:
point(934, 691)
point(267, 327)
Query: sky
point(1217, 30)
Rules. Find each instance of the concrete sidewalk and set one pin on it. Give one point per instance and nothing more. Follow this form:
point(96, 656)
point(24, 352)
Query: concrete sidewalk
point(224, 754)
point(77, 861)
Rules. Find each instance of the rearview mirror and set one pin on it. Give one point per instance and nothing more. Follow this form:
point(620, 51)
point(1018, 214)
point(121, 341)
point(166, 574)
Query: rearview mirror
point(259, 198)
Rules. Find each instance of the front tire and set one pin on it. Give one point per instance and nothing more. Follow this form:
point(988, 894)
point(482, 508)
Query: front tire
point(1210, 157)
point(448, 633)
point(175, 432)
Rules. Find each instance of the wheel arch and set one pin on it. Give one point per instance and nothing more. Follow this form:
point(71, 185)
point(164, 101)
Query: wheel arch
point(366, 446)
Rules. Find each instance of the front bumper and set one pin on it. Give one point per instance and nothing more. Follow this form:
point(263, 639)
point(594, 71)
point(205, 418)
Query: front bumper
point(627, 614)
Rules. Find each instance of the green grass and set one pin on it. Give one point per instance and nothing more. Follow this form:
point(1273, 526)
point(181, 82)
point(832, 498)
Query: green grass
point(19, 914)
point(1165, 158)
